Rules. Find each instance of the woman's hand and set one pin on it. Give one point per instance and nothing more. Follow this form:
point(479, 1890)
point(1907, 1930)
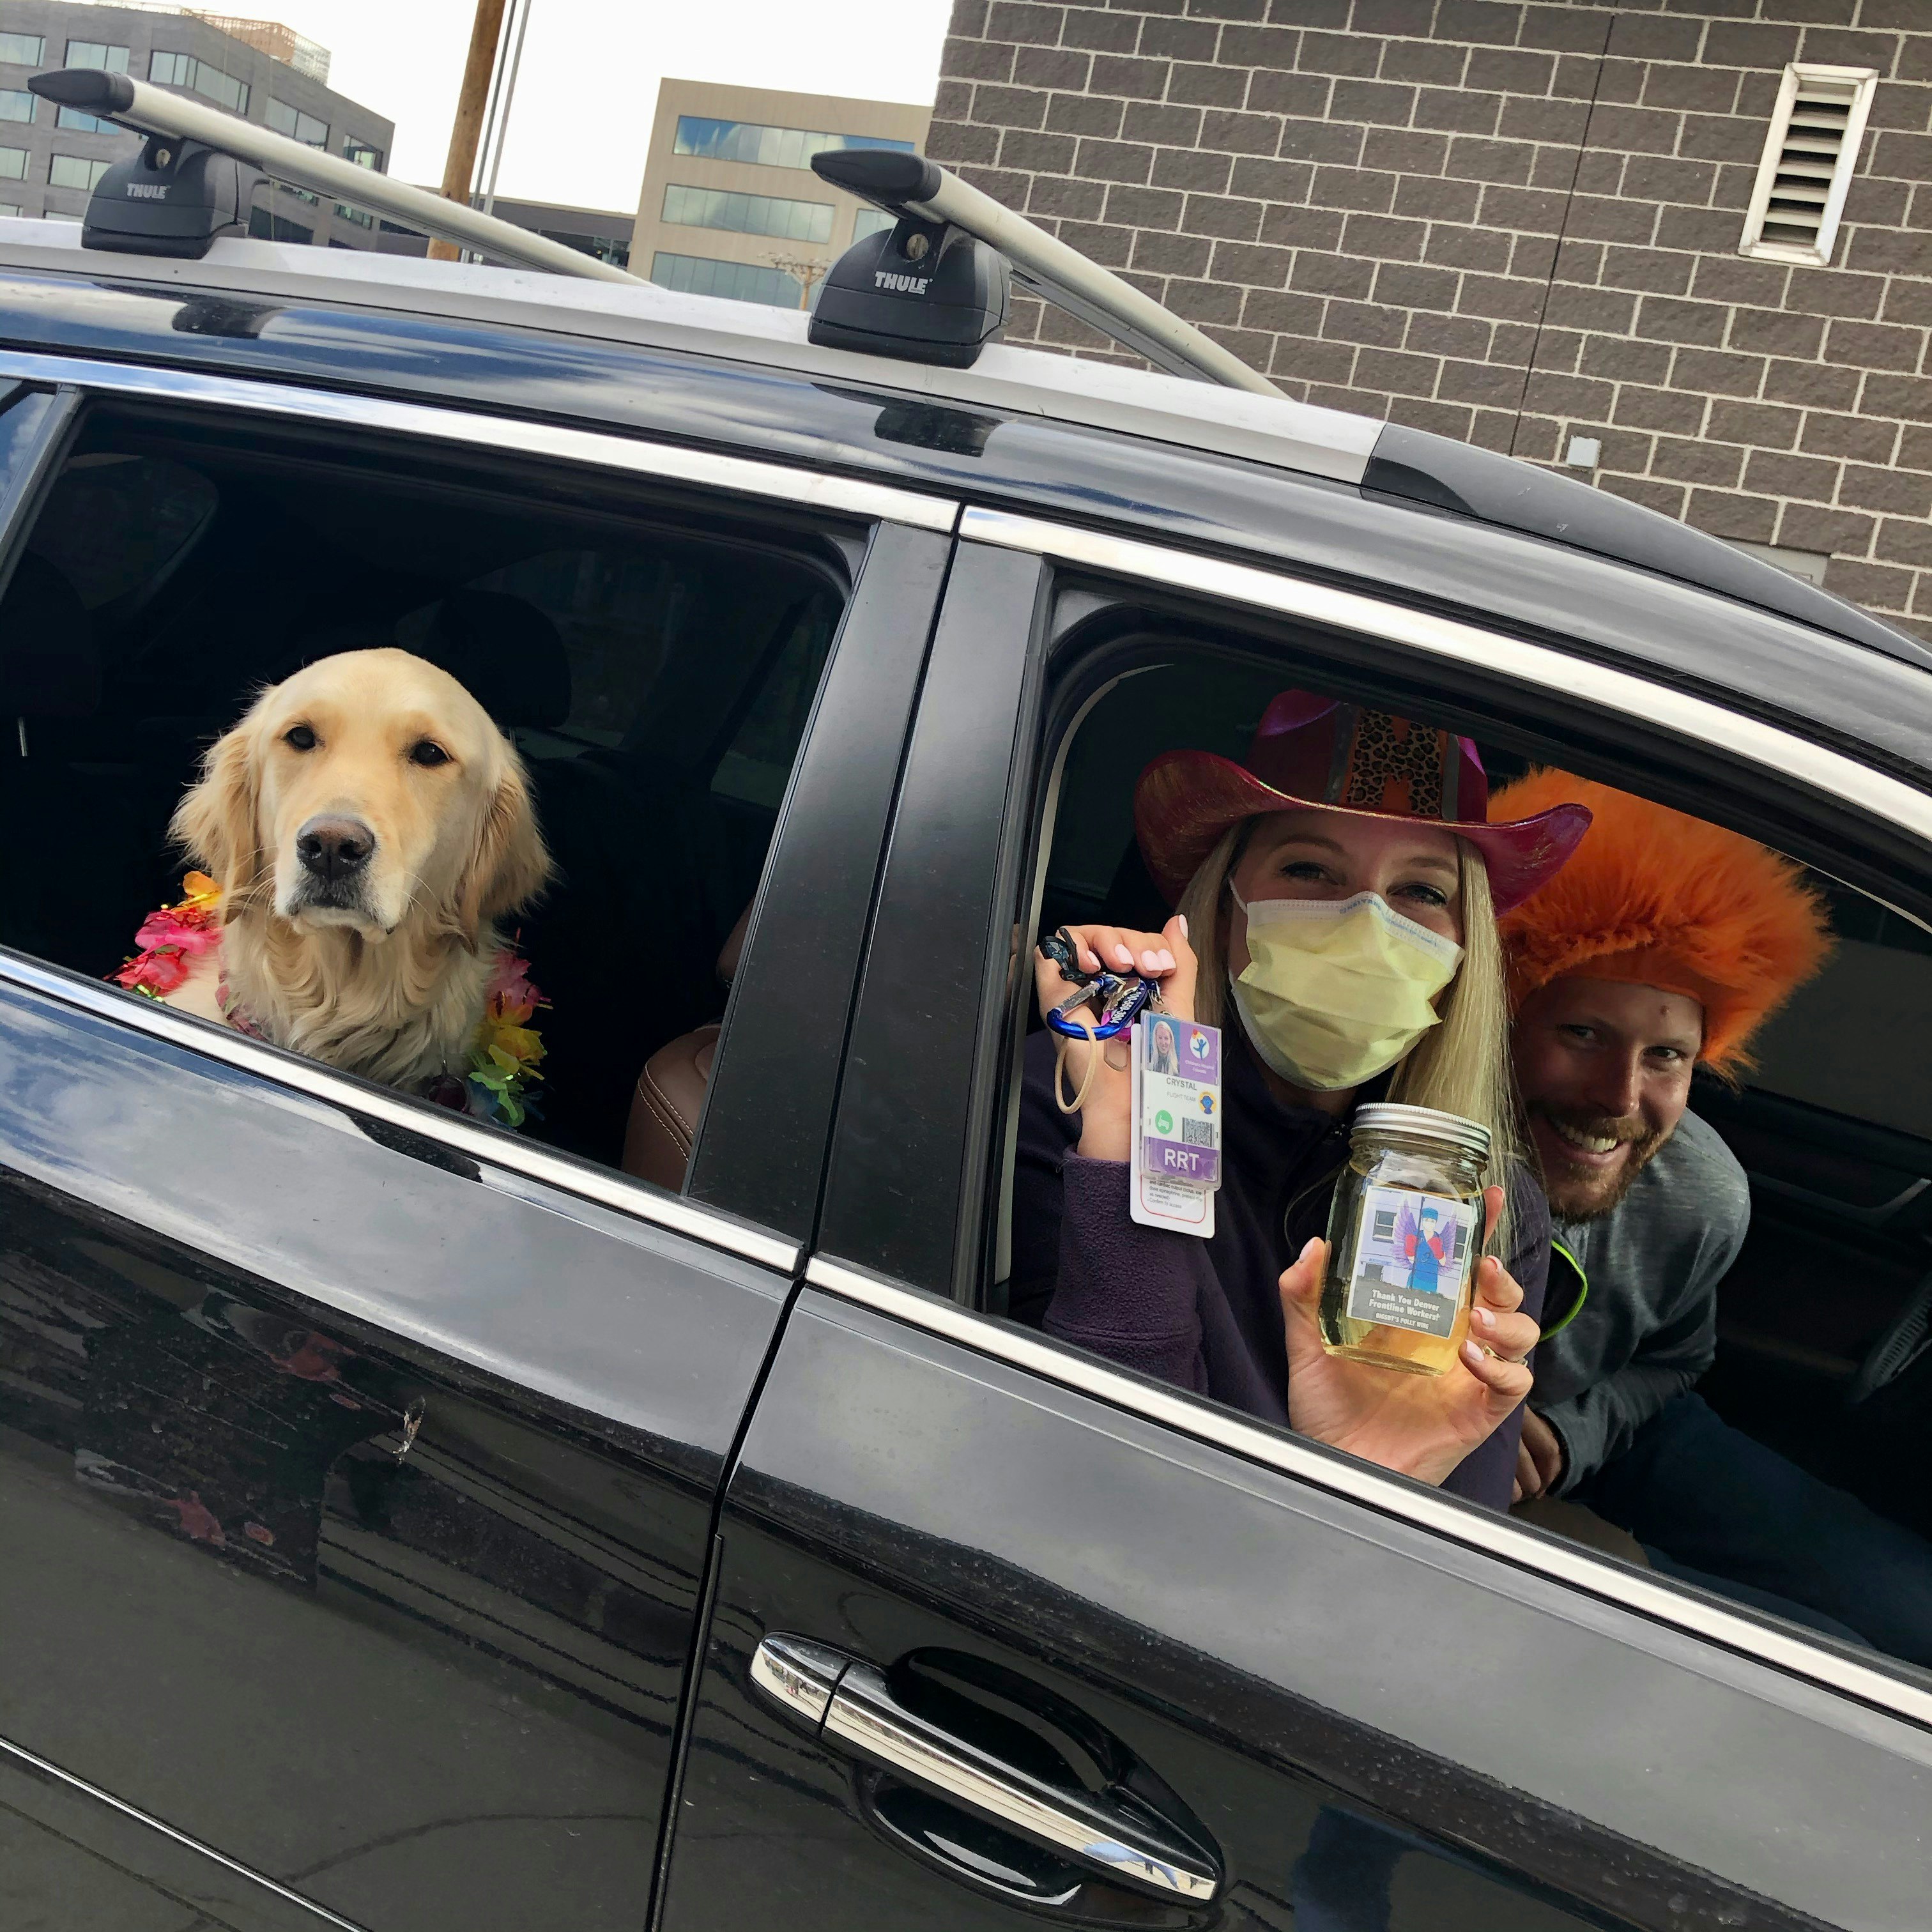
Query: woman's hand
point(1105, 1127)
point(1419, 1425)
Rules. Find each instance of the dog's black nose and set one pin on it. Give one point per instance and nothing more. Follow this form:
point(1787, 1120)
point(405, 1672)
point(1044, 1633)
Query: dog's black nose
point(332, 848)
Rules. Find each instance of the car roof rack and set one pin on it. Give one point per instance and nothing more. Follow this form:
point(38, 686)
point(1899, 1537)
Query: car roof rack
point(145, 109)
point(916, 191)
point(907, 186)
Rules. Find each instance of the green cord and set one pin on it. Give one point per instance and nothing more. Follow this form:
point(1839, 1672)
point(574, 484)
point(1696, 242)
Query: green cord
point(1583, 1288)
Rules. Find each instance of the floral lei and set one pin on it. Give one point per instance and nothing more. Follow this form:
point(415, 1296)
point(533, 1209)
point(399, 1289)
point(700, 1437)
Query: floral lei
point(503, 1052)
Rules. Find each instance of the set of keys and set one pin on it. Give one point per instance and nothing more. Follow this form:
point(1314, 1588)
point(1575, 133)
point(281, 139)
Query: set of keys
point(1117, 1000)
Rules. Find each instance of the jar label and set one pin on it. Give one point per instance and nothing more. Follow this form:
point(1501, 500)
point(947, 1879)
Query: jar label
point(1412, 1256)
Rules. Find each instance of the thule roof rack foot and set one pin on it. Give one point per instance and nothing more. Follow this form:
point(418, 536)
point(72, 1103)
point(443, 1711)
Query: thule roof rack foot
point(924, 198)
point(200, 195)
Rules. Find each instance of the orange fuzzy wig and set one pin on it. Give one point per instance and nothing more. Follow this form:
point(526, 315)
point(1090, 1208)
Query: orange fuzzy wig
point(1654, 898)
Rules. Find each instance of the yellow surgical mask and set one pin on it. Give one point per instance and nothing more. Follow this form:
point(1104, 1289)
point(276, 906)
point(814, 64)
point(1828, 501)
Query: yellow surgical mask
point(1336, 991)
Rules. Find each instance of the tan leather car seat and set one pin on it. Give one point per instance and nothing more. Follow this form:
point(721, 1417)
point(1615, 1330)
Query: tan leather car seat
point(670, 1094)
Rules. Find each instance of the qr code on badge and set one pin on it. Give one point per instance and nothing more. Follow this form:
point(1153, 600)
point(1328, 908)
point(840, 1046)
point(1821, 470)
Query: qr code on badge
point(1197, 1133)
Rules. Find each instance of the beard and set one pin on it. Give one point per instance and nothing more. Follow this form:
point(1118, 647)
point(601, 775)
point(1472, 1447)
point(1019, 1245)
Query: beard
point(1585, 1194)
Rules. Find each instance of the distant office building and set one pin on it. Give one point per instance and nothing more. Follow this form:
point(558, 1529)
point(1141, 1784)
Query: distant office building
point(601, 231)
point(50, 159)
point(593, 231)
point(730, 206)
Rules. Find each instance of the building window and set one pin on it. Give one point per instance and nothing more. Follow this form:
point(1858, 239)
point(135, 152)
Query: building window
point(1809, 156)
point(10, 208)
point(308, 195)
point(22, 50)
point(13, 164)
point(15, 104)
point(297, 125)
point(615, 249)
point(356, 218)
point(168, 70)
point(361, 153)
point(735, 281)
point(268, 226)
point(76, 122)
point(96, 53)
point(75, 171)
point(870, 221)
point(749, 214)
point(766, 147)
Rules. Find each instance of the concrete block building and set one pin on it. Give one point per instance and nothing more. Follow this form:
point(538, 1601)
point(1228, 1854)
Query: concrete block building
point(1683, 247)
point(50, 158)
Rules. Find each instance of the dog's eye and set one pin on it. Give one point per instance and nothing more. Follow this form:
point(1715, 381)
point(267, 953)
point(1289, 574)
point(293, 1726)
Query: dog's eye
point(299, 738)
point(428, 751)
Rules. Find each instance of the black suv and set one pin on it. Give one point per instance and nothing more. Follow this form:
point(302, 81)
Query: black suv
point(652, 1519)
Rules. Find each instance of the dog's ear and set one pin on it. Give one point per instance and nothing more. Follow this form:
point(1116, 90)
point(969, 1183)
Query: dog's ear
point(510, 864)
point(218, 822)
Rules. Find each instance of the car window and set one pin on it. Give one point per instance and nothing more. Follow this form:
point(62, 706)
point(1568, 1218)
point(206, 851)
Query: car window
point(654, 671)
point(1730, 1372)
point(1841, 1041)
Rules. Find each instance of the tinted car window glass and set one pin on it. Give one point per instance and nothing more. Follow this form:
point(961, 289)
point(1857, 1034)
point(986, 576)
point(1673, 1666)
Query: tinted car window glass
point(626, 655)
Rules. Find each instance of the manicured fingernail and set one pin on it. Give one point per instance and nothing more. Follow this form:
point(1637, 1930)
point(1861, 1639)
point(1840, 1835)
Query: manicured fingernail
point(1181, 917)
point(1166, 959)
point(1483, 1318)
point(1090, 959)
point(1472, 1354)
point(1308, 1246)
point(1149, 961)
point(1122, 957)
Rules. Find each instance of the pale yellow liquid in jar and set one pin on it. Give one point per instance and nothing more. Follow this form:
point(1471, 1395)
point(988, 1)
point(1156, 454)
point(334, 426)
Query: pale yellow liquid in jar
point(1403, 1350)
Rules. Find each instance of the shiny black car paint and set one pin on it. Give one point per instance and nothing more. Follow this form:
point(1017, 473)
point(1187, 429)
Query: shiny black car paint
point(1267, 1651)
point(760, 1152)
point(441, 1682)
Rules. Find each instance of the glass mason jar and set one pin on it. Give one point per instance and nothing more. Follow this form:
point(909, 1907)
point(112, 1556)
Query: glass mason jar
point(1404, 1236)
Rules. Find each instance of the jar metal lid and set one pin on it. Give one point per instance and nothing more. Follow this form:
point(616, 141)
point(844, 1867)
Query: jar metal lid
point(1427, 1123)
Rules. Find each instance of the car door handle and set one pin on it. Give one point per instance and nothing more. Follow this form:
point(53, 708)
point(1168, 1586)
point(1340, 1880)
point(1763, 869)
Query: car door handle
point(850, 1703)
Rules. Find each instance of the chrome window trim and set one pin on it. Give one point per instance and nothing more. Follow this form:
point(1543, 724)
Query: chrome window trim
point(803, 489)
point(48, 1769)
point(1492, 1533)
point(606, 1187)
point(1627, 692)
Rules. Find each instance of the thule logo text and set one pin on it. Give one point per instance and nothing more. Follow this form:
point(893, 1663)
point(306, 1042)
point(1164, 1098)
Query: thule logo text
point(904, 285)
point(147, 191)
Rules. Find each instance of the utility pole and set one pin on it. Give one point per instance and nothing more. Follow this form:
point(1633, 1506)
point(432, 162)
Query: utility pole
point(459, 170)
point(808, 269)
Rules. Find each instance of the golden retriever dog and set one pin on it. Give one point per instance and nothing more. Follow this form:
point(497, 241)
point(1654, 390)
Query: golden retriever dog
point(368, 824)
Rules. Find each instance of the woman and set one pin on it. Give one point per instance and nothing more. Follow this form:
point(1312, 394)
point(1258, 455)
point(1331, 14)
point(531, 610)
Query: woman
point(1337, 899)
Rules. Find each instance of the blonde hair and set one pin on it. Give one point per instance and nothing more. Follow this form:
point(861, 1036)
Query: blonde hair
point(1461, 1066)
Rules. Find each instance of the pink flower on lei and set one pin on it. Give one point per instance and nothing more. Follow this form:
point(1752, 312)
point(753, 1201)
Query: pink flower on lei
point(172, 936)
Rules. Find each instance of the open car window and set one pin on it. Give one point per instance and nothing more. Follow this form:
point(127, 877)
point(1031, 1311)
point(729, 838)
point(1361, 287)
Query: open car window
point(654, 665)
point(1794, 1395)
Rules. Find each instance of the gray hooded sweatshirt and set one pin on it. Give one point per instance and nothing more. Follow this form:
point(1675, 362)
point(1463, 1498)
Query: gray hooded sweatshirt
point(1647, 1327)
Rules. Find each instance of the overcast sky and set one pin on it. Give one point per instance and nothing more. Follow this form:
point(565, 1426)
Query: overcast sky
point(588, 85)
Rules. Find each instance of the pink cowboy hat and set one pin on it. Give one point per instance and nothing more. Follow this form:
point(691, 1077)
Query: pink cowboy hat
point(1320, 751)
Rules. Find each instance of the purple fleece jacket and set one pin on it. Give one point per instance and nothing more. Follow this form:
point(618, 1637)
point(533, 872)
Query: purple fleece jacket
point(1206, 1316)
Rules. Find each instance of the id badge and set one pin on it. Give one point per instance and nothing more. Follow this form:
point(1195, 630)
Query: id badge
point(1179, 1117)
point(1169, 1182)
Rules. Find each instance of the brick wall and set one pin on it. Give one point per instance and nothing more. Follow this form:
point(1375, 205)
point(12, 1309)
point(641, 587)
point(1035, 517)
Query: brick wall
point(1509, 223)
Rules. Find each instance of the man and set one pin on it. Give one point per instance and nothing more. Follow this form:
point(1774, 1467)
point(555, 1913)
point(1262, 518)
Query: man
point(1664, 944)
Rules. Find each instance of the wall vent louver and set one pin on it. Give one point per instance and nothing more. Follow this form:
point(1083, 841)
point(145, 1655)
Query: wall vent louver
point(1813, 148)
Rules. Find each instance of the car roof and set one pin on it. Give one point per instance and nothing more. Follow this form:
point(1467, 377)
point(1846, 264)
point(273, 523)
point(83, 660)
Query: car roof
point(1274, 430)
point(1201, 462)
